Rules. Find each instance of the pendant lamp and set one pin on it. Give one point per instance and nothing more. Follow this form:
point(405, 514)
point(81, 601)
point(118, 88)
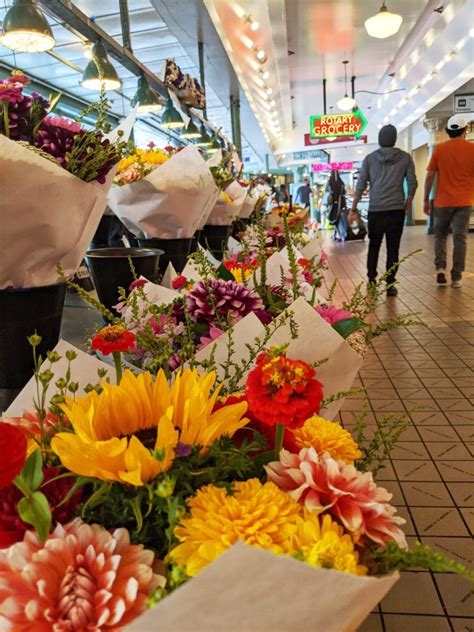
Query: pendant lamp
point(146, 99)
point(384, 23)
point(25, 29)
point(345, 103)
point(191, 131)
point(100, 73)
point(204, 140)
point(171, 118)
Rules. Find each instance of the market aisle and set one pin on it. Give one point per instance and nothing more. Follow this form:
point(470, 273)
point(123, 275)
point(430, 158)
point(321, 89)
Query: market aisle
point(432, 470)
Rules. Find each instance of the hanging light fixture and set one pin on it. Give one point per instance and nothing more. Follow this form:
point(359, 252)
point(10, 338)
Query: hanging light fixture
point(100, 72)
point(191, 131)
point(345, 103)
point(25, 29)
point(204, 140)
point(146, 99)
point(171, 118)
point(384, 23)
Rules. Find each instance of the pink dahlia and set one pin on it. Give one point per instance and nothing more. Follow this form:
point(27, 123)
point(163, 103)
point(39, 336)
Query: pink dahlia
point(332, 314)
point(82, 578)
point(322, 484)
point(216, 299)
point(57, 137)
point(214, 334)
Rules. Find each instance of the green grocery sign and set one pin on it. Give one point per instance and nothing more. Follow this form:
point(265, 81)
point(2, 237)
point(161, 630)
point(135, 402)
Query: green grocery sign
point(347, 124)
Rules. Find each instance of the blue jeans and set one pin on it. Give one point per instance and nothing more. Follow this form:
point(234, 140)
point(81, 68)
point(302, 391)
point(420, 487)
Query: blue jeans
point(456, 218)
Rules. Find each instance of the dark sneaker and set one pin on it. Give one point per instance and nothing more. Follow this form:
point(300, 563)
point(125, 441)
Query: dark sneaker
point(456, 283)
point(392, 291)
point(441, 278)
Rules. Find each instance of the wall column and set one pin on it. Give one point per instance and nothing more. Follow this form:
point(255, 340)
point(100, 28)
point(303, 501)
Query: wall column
point(235, 120)
point(436, 127)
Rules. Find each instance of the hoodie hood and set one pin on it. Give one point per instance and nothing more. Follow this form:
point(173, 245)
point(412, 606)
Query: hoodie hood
point(389, 154)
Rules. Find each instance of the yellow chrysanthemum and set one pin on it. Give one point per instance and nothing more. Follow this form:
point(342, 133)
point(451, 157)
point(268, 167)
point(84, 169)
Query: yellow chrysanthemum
point(327, 436)
point(241, 274)
point(323, 543)
point(117, 432)
point(143, 157)
point(226, 197)
point(260, 515)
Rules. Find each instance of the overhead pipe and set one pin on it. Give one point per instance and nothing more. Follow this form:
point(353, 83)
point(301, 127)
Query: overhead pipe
point(325, 106)
point(125, 24)
point(202, 75)
point(353, 80)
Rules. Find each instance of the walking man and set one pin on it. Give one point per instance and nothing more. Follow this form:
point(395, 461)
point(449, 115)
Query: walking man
point(453, 163)
point(303, 194)
point(386, 170)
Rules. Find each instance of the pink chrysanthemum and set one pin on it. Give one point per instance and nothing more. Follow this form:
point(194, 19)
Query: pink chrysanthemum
point(322, 484)
point(82, 578)
point(213, 299)
point(332, 314)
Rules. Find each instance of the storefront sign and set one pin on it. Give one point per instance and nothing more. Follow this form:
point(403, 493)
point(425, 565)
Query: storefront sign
point(317, 154)
point(308, 141)
point(332, 166)
point(328, 125)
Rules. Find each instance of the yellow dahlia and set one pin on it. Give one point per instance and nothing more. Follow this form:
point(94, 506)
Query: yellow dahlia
point(130, 432)
point(323, 543)
point(327, 436)
point(258, 514)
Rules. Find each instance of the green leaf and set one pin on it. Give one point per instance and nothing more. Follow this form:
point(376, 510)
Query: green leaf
point(35, 510)
point(224, 274)
point(96, 496)
point(32, 472)
point(54, 100)
point(137, 511)
point(348, 326)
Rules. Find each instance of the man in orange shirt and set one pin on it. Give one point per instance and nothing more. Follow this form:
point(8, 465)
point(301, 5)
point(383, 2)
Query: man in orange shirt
point(453, 163)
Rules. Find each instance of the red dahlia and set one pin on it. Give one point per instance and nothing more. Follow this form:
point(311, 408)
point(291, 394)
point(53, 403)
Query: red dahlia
point(282, 391)
point(14, 444)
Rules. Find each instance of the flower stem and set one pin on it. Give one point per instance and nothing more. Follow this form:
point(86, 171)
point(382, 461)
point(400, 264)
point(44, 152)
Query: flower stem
point(118, 365)
point(279, 434)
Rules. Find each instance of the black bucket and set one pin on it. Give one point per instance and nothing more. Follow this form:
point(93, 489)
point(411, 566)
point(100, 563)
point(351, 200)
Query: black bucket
point(22, 312)
point(175, 251)
point(110, 269)
point(215, 238)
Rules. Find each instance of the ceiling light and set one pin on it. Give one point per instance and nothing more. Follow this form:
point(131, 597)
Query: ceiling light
point(171, 118)
point(88, 50)
point(269, 91)
point(254, 25)
point(272, 103)
point(99, 72)
point(25, 29)
point(451, 55)
point(146, 99)
point(346, 103)
point(191, 131)
point(265, 74)
point(471, 32)
point(204, 140)
point(261, 56)
point(384, 23)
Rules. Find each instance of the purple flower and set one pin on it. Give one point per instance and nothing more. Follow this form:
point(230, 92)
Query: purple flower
point(11, 93)
point(183, 449)
point(56, 136)
point(216, 299)
point(137, 283)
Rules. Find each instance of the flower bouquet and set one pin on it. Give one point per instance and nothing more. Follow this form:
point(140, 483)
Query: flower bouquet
point(157, 492)
point(295, 215)
point(228, 206)
point(163, 195)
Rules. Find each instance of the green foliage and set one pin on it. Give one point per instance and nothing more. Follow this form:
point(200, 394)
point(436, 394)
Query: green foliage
point(394, 558)
point(348, 326)
point(387, 432)
point(335, 397)
point(34, 509)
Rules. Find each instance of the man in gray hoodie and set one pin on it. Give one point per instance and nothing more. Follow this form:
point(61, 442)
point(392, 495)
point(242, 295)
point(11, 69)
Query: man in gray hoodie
point(386, 170)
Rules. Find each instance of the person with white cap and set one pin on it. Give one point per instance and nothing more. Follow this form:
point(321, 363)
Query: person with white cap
point(387, 170)
point(453, 164)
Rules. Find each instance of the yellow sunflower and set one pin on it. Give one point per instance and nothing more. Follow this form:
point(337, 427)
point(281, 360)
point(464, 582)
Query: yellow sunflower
point(258, 514)
point(323, 543)
point(130, 432)
point(327, 436)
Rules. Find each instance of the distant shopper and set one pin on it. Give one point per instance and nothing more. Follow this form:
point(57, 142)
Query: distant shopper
point(386, 170)
point(283, 196)
point(303, 195)
point(453, 163)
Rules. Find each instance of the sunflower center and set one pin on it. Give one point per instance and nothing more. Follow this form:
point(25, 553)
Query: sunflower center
point(147, 436)
point(76, 596)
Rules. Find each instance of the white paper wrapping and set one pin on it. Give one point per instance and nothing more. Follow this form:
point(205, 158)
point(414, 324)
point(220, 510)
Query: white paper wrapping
point(316, 340)
point(225, 212)
point(83, 371)
point(248, 206)
point(48, 216)
point(313, 248)
point(171, 202)
point(252, 590)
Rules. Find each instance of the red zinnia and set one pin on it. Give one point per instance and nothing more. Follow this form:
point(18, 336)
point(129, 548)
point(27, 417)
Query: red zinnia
point(14, 444)
point(113, 338)
point(282, 391)
point(179, 282)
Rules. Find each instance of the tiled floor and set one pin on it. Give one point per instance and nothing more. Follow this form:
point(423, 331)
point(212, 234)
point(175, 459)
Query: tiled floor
point(431, 473)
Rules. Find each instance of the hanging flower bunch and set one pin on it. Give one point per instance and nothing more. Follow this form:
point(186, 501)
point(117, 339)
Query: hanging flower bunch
point(87, 154)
